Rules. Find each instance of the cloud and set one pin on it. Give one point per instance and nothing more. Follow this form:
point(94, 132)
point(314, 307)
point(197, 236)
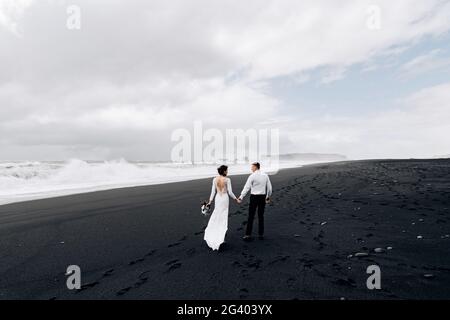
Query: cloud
point(137, 70)
point(11, 12)
point(417, 127)
point(137, 41)
point(333, 75)
point(287, 37)
point(433, 61)
point(123, 117)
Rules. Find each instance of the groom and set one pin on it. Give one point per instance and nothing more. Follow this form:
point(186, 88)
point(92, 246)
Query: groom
point(260, 191)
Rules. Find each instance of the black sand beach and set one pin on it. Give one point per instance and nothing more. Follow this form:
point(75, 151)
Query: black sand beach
point(147, 242)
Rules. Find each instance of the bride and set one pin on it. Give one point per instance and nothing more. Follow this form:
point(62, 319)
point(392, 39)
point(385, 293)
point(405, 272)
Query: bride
point(218, 223)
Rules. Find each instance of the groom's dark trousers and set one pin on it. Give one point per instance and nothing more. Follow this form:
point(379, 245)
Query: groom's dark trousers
point(257, 202)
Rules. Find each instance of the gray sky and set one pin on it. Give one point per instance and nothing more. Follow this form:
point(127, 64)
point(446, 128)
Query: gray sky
point(333, 76)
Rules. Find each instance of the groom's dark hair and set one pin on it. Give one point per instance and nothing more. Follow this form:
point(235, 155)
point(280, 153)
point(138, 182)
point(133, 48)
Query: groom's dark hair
point(222, 169)
point(257, 165)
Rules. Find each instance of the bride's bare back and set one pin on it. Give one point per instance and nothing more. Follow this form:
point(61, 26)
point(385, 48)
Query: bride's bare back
point(221, 184)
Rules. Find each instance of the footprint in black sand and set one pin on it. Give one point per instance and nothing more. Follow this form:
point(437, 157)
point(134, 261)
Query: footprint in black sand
point(173, 264)
point(178, 242)
point(173, 267)
point(318, 238)
point(150, 253)
point(244, 273)
point(336, 266)
point(254, 264)
point(290, 282)
point(174, 244)
point(140, 282)
point(131, 263)
point(236, 264)
point(88, 286)
point(143, 278)
point(92, 284)
point(191, 252)
point(108, 273)
point(279, 259)
point(322, 245)
point(345, 282)
point(243, 293)
point(307, 263)
point(121, 292)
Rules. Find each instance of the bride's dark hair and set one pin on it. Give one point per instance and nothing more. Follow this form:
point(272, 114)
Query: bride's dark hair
point(222, 169)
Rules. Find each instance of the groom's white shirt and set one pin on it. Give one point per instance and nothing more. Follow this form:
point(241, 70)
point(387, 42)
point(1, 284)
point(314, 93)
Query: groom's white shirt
point(258, 183)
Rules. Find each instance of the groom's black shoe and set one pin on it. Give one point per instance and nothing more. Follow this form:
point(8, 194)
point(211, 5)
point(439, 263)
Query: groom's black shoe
point(247, 238)
point(261, 237)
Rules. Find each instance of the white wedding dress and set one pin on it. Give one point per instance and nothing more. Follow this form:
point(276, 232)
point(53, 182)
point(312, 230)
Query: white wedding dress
point(218, 223)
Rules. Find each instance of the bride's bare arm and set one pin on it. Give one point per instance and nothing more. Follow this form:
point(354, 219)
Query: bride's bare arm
point(230, 190)
point(213, 191)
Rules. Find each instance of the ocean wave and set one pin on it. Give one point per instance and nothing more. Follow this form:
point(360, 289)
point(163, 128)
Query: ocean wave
point(28, 180)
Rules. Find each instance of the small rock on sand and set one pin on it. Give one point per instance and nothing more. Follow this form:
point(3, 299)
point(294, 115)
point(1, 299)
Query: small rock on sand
point(378, 250)
point(361, 254)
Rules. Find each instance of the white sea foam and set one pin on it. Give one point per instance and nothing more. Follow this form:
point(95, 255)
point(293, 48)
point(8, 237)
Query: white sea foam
point(28, 180)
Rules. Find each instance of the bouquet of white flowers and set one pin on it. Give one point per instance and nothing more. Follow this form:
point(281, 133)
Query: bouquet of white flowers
point(206, 208)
